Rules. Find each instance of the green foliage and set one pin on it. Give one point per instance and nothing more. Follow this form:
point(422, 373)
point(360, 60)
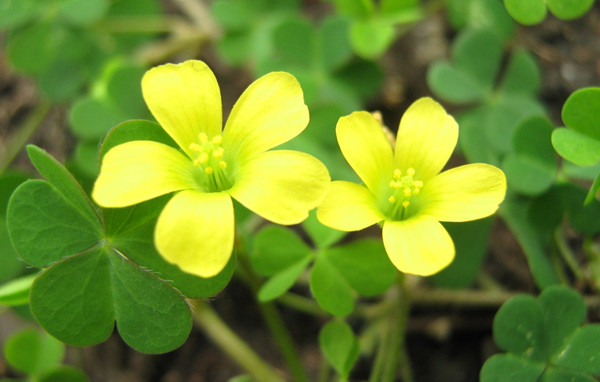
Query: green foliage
point(544, 340)
point(531, 167)
point(471, 243)
point(249, 26)
point(480, 14)
point(321, 58)
point(534, 11)
point(339, 345)
point(32, 352)
point(337, 276)
point(579, 142)
point(373, 23)
point(16, 291)
point(54, 42)
point(470, 78)
point(39, 356)
point(531, 239)
point(11, 266)
point(54, 226)
point(115, 97)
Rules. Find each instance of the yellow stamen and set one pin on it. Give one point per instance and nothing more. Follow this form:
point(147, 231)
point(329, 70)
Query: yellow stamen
point(209, 160)
point(218, 153)
point(403, 193)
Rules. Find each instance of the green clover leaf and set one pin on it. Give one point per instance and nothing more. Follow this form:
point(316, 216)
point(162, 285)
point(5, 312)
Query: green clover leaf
point(100, 266)
point(579, 142)
point(531, 167)
point(498, 107)
point(340, 346)
point(544, 340)
point(532, 12)
point(338, 273)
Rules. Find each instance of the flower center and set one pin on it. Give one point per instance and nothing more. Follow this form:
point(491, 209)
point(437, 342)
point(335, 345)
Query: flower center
point(403, 189)
point(210, 160)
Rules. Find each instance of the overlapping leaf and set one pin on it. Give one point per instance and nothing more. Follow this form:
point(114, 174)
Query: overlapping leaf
point(544, 340)
point(470, 78)
point(100, 267)
point(338, 275)
point(533, 12)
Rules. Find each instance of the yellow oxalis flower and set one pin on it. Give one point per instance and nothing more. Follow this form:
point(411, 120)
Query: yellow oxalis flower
point(403, 187)
point(196, 228)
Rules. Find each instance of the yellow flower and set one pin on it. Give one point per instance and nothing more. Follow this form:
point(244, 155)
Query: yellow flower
point(405, 189)
point(196, 228)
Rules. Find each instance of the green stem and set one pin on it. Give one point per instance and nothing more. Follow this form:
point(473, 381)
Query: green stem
point(23, 133)
point(276, 325)
point(231, 344)
point(302, 304)
point(567, 254)
point(200, 14)
point(392, 351)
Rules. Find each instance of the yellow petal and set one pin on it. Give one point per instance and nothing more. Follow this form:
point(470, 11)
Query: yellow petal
point(195, 231)
point(140, 170)
point(419, 245)
point(464, 193)
point(366, 148)
point(349, 207)
point(185, 99)
point(281, 185)
point(270, 112)
point(426, 139)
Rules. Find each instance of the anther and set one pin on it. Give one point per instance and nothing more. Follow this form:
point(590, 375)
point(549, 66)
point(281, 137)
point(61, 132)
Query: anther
point(223, 164)
point(405, 203)
point(203, 137)
point(407, 191)
point(218, 153)
point(397, 173)
point(208, 170)
point(217, 140)
point(392, 199)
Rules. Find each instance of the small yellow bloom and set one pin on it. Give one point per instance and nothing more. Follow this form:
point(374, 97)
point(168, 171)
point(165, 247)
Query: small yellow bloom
point(404, 188)
point(195, 230)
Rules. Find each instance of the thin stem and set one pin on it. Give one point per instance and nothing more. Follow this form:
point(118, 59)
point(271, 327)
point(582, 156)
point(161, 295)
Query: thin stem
point(199, 13)
point(302, 304)
point(397, 353)
point(231, 344)
point(567, 254)
point(275, 323)
point(463, 298)
point(392, 351)
point(23, 133)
